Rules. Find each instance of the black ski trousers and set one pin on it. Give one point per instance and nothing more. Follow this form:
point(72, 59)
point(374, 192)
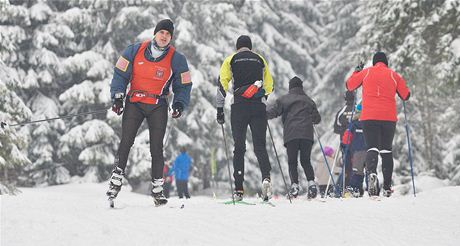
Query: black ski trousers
point(302, 146)
point(157, 118)
point(254, 115)
point(182, 188)
point(379, 140)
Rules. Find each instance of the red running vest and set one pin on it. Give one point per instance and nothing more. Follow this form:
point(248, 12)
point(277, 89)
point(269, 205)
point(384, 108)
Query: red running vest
point(150, 78)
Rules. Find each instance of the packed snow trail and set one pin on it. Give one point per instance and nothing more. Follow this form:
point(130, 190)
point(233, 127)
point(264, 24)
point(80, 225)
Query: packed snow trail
point(78, 214)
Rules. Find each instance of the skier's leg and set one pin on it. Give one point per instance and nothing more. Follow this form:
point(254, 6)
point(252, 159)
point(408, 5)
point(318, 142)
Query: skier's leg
point(239, 118)
point(371, 130)
point(258, 124)
point(293, 153)
point(157, 119)
point(131, 121)
point(180, 188)
point(186, 193)
point(356, 181)
point(305, 153)
point(388, 132)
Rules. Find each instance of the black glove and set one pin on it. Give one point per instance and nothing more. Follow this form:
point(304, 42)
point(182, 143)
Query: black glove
point(3, 125)
point(220, 116)
point(177, 110)
point(360, 67)
point(117, 105)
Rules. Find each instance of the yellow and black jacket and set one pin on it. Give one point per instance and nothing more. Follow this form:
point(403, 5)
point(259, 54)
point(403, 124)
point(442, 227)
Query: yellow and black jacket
point(243, 68)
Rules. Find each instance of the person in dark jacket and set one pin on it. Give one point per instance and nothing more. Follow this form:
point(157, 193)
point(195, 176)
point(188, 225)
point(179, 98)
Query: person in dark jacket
point(298, 113)
point(181, 169)
point(341, 123)
point(380, 86)
point(252, 82)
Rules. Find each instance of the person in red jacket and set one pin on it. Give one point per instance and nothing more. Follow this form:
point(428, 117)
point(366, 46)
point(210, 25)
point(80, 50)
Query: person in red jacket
point(380, 86)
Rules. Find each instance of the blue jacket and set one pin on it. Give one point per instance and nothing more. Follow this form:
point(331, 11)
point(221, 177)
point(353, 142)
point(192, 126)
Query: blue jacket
point(179, 66)
point(181, 166)
point(357, 142)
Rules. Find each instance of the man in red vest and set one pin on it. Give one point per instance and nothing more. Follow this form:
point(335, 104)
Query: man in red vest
point(151, 68)
point(380, 86)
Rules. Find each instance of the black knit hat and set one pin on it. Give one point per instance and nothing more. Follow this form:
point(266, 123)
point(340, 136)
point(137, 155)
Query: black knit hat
point(379, 57)
point(349, 96)
point(295, 82)
point(165, 24)
point(244, 41)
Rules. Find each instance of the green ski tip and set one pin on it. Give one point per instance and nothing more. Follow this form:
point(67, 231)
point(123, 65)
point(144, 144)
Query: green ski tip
point(238, 202)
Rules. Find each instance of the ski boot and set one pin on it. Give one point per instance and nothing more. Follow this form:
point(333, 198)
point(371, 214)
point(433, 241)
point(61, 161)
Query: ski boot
point(238, 195)
point(373, 185)
point(157, 192)
point(116, 180)
point(387, 191)
point(266, 189)
point(312, 190)
point(294, 192)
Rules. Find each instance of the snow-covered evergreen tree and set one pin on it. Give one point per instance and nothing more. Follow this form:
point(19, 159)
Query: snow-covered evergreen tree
point(59, 58)
point(417, 36)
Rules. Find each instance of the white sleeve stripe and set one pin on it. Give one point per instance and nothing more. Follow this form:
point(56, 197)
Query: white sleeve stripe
point(338, 116)
point(373, 149)
point(396, 84)
point(366, 75)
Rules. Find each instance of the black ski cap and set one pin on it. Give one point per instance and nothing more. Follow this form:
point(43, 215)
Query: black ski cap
point(165, 24)
point(295, 82)
point(380, 57)
point(244, 41)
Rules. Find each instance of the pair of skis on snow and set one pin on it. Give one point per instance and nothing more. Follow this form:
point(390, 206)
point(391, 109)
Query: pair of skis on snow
point(157, 204)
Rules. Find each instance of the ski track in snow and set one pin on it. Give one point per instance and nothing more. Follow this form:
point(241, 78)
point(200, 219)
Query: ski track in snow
point(79, 214)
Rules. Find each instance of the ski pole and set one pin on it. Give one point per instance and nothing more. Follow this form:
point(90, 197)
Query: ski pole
point(325, 159)
point(279, 164)
point(228, 164)
point(333, 166)
point(169, 133)
point(347, 147)
point(409, 147)
point(3, 124)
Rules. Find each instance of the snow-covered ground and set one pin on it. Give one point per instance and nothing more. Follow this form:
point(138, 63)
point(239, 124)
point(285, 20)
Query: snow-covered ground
point(78, 214)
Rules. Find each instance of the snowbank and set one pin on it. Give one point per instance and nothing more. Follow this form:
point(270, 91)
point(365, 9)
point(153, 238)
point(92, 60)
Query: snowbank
point(78, 214)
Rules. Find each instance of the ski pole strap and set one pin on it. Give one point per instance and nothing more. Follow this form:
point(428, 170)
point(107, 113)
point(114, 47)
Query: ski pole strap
point(3, 124)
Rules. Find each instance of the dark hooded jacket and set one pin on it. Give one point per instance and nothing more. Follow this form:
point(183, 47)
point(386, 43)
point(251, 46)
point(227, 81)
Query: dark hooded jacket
point(298, 113)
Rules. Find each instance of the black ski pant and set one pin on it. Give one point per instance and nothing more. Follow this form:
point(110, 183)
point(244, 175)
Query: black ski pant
point(254, 115)
point(182, 188)
point(379, 140)
point(302, 146)
point(157, 118)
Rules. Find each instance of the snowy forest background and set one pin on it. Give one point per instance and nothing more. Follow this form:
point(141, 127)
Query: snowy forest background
point(57, 56)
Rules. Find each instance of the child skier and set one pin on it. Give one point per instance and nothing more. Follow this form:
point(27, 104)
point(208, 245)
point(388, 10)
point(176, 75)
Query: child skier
point(298, 113)
point(322, 172)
